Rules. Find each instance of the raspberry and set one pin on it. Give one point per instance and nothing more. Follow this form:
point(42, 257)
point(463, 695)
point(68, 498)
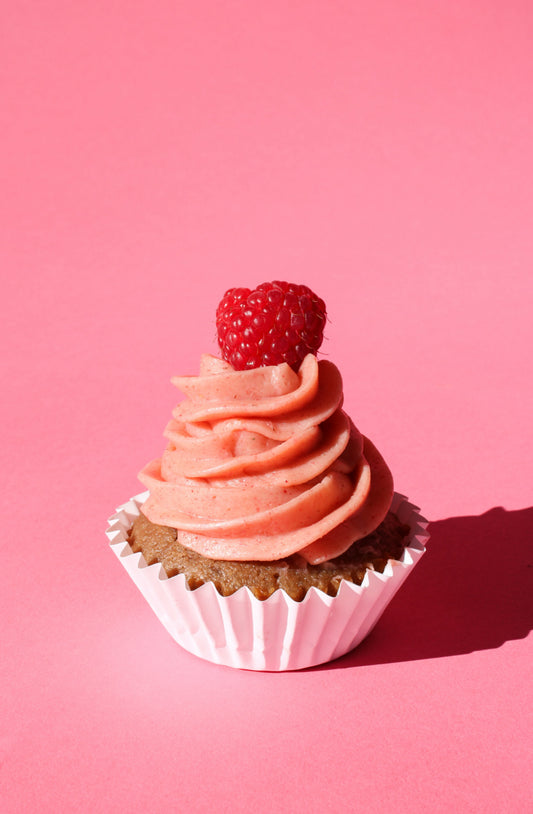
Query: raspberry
point(273, 323)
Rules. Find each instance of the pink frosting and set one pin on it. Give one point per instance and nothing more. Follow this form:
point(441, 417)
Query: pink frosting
point(264, 463)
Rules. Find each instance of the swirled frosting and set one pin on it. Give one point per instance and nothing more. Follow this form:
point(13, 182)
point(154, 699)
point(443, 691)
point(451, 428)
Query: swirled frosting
point(264, 463)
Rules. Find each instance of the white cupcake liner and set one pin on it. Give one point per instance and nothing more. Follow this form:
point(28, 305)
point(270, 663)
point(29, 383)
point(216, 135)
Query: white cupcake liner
point(277, 633)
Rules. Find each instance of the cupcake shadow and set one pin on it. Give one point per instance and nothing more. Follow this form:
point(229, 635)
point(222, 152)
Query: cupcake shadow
point(473, 590)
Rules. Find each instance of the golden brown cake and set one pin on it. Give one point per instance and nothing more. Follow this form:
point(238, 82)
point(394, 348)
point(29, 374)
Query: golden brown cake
point(293, 574)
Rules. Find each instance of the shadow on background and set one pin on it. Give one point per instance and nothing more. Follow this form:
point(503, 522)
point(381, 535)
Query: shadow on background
point(473, 590)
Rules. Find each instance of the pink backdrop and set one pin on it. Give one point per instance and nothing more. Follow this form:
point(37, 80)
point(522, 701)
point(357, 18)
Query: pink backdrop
point(153, 155)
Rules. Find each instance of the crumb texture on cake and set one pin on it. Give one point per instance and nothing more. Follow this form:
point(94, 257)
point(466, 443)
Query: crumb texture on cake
point(293, 574)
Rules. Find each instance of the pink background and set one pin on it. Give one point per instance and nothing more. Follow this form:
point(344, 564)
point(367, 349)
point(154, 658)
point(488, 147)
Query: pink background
point(153, 155)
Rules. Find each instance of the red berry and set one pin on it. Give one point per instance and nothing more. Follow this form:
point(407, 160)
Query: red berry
point(273, 323)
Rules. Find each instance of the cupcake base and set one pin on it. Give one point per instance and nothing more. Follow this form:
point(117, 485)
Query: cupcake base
point(293, 574)
point(274, 634)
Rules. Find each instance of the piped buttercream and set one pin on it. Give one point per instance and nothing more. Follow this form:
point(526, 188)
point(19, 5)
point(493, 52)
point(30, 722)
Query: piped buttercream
point(264, 463)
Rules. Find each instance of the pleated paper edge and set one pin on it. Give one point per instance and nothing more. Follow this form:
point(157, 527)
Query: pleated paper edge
point(275, 634)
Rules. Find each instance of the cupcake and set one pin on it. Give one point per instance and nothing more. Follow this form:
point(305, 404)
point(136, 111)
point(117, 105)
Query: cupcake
point(270, 536)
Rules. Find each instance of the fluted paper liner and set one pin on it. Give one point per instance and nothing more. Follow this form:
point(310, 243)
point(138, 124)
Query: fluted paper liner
point(277, 633)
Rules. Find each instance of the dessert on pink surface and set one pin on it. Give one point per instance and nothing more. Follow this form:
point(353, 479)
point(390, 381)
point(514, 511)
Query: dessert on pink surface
point(270, 537)
point(263, 463)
